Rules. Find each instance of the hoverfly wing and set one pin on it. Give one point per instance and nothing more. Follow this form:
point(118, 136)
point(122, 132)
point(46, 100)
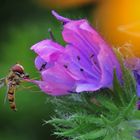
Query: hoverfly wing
point(2, 82)
point(6, 94)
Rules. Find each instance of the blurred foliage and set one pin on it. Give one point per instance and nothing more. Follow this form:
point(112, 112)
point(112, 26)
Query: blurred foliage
point(22, 25)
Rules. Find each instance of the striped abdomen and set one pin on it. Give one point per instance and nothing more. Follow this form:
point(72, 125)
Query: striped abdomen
point(11, 96)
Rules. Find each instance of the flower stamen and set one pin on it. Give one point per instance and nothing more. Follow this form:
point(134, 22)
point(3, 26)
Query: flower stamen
point(51, 34)
point(78, 57)
point(65, 66)
point(81, 69)
point(43, 66)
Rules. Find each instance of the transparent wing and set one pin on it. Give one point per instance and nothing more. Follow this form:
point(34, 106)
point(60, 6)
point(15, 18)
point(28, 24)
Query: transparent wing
point(2, 82)
point(6, 94)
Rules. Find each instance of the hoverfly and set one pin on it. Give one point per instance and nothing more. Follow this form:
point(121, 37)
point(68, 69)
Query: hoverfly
point(12, 80)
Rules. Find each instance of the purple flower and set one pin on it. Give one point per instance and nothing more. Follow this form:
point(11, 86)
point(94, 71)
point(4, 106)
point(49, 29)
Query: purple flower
point(134, 65)
point(86, 63)
point(138, 105)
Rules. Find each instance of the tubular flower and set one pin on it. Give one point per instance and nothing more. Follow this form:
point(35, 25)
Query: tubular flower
point(134, 65)
point(86, 63)
point(138, 104)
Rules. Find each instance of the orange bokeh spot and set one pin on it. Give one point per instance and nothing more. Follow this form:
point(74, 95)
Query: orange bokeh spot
point(119, 22)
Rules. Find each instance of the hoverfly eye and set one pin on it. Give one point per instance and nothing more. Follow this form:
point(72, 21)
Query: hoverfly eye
point(18, 68)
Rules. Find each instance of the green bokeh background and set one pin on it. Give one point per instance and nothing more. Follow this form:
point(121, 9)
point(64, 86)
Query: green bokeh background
point(24, 23)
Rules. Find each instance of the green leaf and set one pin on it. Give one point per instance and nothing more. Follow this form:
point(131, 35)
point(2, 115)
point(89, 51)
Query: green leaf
point(118, 90)
point(92, 135)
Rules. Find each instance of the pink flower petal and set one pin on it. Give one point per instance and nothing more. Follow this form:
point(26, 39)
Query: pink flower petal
point(48, 50)
point(53, 83)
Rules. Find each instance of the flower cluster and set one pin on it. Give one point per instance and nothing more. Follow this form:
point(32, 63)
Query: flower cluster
point(86, 63)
